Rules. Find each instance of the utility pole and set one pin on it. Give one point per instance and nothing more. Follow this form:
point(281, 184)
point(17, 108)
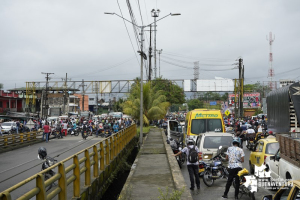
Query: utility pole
point(159, 52)
point(45, 105)
point(96, 98)
point(150, 55)
point(241, 96)
point(82, 85)
point(65, 93)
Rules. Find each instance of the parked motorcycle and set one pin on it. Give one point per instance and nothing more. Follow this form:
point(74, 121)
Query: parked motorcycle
point(247, 184)
point(48, 162)
point(176, 147)
point(215, 169)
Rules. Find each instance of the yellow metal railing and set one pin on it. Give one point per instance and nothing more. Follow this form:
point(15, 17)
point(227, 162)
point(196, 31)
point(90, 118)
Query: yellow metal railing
point(94, 159)
point(14, 139)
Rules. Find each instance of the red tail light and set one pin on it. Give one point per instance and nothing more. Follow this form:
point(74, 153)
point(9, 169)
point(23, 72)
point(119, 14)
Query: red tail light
point(200, 155)
point(201, 166)
point(243, 179)
point(176, 151)
point(262, 134)
point(265, 159)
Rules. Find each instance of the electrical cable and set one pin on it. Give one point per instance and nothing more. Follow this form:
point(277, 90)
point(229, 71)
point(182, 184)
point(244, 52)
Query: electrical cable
point(128, 32)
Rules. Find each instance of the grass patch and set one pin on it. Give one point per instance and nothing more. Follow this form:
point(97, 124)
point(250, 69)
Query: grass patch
point(146, 129)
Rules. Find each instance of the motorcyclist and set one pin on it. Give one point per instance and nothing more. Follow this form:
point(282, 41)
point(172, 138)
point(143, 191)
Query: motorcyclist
point(84, 129)
point(235, 155)
point(193, 168)
point(116, 127)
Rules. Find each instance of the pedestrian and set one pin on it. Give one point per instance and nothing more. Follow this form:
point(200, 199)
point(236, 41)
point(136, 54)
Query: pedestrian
point(235, 155)
point(193, 167)
point(46, 131)
point(18, 126)
point(58, 130)
point(1, 130)
point(65, 128)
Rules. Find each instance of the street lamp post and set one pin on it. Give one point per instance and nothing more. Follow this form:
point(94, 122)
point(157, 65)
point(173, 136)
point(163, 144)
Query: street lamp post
point(143, 56)
point(155, 13)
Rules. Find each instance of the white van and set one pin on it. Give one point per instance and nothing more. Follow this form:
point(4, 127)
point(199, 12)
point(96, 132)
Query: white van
point(208, 144)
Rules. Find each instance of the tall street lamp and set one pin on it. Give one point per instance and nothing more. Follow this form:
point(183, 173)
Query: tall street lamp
point(155, 14)
point(143, 56)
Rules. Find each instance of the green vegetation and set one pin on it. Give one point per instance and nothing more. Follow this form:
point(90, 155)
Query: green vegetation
point(170, 194)
point(155, 104)
point(174, 93)
point(195, 103)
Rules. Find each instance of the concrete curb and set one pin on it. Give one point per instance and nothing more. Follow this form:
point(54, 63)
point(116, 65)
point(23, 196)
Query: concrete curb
point(178, 179)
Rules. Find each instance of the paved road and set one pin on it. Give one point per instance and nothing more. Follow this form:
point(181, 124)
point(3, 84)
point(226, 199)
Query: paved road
point(217, 190)
point(23, 163)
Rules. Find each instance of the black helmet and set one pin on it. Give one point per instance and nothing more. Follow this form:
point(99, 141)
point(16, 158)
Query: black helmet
point(42, 153)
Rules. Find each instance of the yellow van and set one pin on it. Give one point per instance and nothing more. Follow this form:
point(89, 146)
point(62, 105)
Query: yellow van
point(202, 121)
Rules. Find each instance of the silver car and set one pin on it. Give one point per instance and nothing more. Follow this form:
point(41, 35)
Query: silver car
point(9, 127)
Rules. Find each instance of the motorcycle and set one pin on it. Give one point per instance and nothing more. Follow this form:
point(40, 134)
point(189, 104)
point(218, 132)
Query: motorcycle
point(202, 167)
point(56, 133)
point(250, 143)
point(48, 162)
point(72, 131)
point(176, 147)
point(215, 169)
point(247, 186)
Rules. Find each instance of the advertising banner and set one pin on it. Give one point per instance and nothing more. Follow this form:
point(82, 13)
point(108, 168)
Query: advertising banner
point(250, 100)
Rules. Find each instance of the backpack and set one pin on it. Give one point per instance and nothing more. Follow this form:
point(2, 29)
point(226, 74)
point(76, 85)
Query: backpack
point(193, 155)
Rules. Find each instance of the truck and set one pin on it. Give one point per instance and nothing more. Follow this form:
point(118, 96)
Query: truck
point(283, 111)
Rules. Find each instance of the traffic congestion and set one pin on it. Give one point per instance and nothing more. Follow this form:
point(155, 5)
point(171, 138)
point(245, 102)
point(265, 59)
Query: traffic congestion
point(249, 134)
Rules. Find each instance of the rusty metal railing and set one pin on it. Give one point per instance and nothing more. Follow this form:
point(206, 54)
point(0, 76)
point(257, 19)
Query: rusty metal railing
point(89, 161)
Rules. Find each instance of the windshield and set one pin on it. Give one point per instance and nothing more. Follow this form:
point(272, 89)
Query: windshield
point(213, 142)
point(272, 148)
point(206, 125)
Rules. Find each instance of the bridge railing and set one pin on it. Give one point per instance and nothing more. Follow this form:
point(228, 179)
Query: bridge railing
point(90, 161)
point(20, 138)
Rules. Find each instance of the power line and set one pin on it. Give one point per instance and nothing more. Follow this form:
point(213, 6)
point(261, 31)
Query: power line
point(128, 33)
point(195, 58)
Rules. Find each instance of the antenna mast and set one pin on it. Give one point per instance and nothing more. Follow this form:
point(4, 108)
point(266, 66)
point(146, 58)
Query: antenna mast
point(271, 70)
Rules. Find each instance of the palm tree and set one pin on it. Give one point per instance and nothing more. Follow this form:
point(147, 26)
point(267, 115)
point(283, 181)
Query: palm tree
point(154, 103)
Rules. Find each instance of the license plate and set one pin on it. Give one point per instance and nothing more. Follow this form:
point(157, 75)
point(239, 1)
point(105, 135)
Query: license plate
point(262, 137)
point(201, 170)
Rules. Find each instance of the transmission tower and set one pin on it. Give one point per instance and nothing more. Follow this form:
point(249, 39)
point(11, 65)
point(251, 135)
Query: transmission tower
point(196, 77)
point(271, 70)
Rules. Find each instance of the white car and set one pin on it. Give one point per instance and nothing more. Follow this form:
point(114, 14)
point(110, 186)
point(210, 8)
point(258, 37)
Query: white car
point(9, 127)
point(208, 144)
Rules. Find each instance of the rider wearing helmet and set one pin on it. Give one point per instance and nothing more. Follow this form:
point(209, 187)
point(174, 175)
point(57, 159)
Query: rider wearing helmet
point(42, 153)
point(193, 168)
point(235, 156)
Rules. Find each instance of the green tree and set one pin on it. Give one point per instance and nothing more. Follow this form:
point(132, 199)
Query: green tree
point(155, 104)
point(118, 105)
point(174, 93)
point(195, 103)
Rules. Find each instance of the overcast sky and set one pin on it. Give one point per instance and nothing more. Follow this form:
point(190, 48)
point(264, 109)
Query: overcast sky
point(77, 38)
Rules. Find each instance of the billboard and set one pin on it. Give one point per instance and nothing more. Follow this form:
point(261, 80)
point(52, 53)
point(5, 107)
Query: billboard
point(215, 85)
point(250, 100)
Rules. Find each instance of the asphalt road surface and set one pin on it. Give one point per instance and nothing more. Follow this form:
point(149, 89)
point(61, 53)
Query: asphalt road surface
point(217, 190)
point(20, 164)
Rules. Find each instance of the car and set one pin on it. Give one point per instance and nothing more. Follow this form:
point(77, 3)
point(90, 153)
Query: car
point(262, 149)
point(208, 144)
point(291, 191)
point(9, 127)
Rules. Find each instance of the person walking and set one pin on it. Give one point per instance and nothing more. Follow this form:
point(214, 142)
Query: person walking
point(193, 167)
point(235, 155)
point(65, 128)
point(46, 131)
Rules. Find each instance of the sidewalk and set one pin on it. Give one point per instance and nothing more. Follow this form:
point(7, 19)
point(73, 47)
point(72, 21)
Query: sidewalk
point(154, 168)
